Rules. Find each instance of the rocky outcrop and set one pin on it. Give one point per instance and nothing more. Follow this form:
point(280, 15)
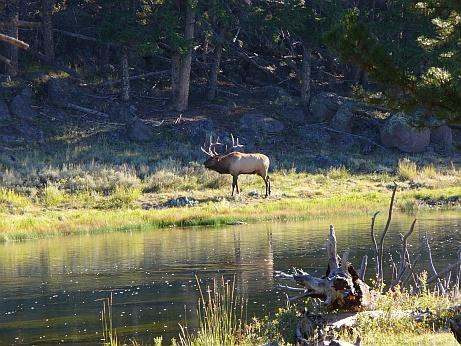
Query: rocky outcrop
point(139, 132)
point(398, 132)
point(342, 120)
point(324, 106)
point(198, 131)
point(293, 115)
point(58, 91)
point(21, 106)
point(254, 123)
point(123, 113)
point(442, 137)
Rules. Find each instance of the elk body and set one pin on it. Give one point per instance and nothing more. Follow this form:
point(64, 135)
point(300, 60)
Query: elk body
point(236, 163)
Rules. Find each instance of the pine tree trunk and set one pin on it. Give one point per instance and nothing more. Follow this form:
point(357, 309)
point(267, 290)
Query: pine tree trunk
point(175, 67)
point(125, 75)
point(184, 72)
point(214, 72)
point(48, 42)
point(306, 77)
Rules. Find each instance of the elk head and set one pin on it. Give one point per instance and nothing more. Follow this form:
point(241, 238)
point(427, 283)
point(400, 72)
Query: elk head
point(214, 157)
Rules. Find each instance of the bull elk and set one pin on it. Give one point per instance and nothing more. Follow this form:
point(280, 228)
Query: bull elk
point(236, 163)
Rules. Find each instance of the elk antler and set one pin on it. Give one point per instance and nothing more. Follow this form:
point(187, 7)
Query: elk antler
point(235, 143)
point(211, 148)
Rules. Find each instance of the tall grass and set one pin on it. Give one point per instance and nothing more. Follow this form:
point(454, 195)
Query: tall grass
point(406, 169)
point(221, 315)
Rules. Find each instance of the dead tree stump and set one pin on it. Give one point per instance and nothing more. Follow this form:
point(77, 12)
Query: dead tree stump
point(341, 287)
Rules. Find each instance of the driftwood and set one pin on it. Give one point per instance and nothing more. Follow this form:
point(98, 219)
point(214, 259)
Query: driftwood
point(340, 288)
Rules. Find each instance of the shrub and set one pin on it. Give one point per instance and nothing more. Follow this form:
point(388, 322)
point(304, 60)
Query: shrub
point(428, 172)
point(338, 173)
point(406, 169)
point(52, 196)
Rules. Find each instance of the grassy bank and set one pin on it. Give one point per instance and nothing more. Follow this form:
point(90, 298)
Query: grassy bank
point(223, 320)
point(120, 200)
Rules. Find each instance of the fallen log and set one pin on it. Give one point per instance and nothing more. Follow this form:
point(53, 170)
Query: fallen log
point(21, 24)
point(6, 61)
point(14, 41)
point(340, 288)
point(141, 76)
point(86, 110)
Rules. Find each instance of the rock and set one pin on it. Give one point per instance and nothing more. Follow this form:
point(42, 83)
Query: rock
point(397, 132)
point(256, 122)
point(139, 132)
point(323, 107)
point(30, 133)
point(293, 115)
point(181, 202)
point(21, 132)
point(198, 131)
point(58, 91)
point(124, 113)
point(21, 106)
point(276, 95)
point(342, 120)
point(314, 135)
point(5, 115)
point(442, 137)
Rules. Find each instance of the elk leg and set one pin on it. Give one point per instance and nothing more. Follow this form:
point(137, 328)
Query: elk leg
point(268, 185)
point(237, 184)
point(234, 184)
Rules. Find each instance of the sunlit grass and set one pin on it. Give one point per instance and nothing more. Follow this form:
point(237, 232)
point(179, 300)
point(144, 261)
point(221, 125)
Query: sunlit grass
point(406, 169)
point(221, 314)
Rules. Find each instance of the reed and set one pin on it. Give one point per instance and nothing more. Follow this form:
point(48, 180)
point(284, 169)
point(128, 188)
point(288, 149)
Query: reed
point(221, 314)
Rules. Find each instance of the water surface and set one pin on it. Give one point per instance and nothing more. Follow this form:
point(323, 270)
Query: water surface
point(50, 290)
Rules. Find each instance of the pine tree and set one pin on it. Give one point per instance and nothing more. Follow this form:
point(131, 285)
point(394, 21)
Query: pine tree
point(416, 66)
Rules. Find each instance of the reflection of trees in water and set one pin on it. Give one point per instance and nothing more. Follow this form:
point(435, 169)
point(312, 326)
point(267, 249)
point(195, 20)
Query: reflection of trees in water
point(260, 258)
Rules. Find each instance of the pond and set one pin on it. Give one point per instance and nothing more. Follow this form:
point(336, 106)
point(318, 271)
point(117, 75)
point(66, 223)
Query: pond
point(51, 289)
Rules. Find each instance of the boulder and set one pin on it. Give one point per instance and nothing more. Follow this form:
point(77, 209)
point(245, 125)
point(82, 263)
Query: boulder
point(20, 132)
point(181, 202)
point(254, 123)
point(342, 120)
point(139, 132)
point(58, 91)
point(198, 131)
point(276, 95)
point(5, 115)
point(442, 137)
point(124, 113)
point(21, 106)
point(293, 115)
point(323, 107)
point(30, 132)
point(397, 132)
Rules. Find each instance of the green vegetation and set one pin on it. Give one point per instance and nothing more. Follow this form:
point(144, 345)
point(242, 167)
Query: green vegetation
point(41, 198)
point(221, 318)
point(222, 321)
point(424, 70)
